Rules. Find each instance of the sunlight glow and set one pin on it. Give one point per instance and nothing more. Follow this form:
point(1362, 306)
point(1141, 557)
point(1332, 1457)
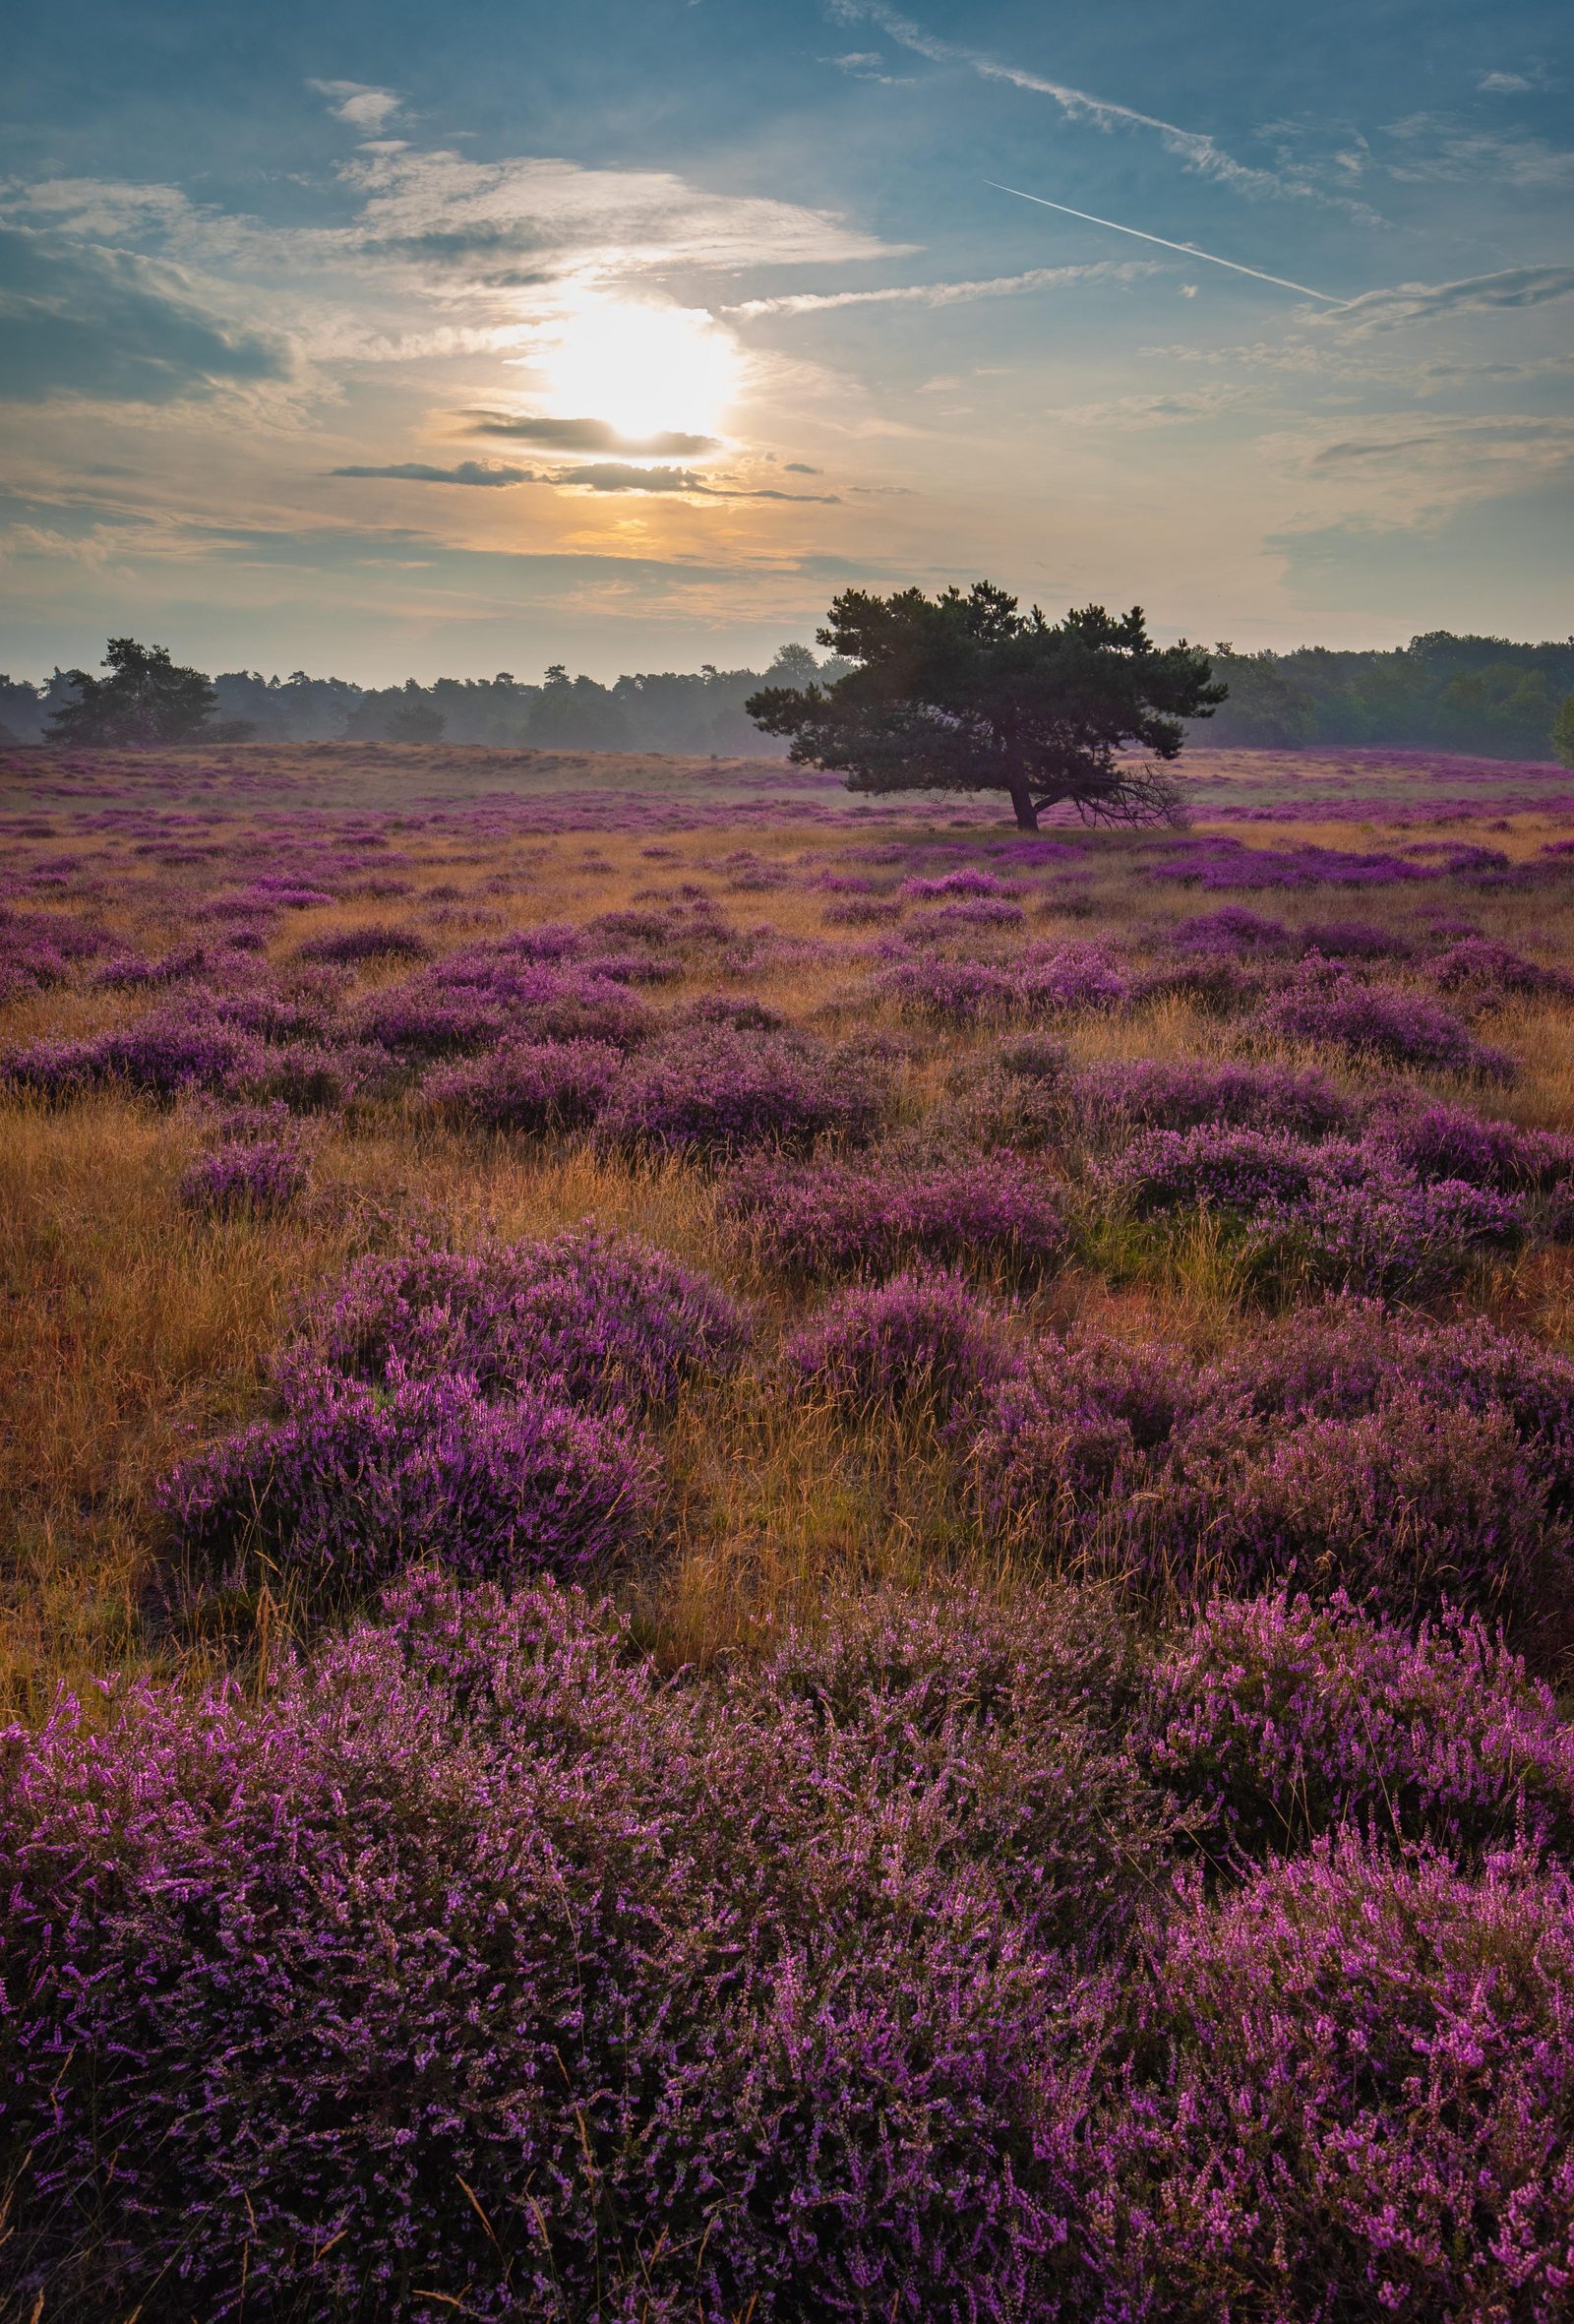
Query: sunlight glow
point(640, 367)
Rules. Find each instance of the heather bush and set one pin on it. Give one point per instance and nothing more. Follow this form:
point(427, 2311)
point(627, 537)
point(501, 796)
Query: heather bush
point(355, 1481)
point(1485, 973)
point(951, 991)
point(1280, 1720)
point(1232, 930)
point(995, 1217)
point(1438, 1141)
point(535, 1087)
point(1051, 1450)
point(1410, 1508)
point(257, 1177)
point(1113, 1099)
point(601, 1319)
point(561, 1989)
point(919, 1342)
point(373, 940)
point(171, 1052)
point(1395, 1027)
point(717, 1091)
point(1355, 2097)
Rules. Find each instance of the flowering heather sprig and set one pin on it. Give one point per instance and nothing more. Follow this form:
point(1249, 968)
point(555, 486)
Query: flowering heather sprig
point(1066, 979)
point(1280, 1720)
point(717, 1091)
point(356, 1481)
point(1372, 1020)
point(916, 1342)
point(1356, 2088)
point(534, 1086)
point(995, 1217)
point(602, 1319)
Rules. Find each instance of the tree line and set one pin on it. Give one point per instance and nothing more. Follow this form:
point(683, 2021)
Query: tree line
point(691, 713)
point(1486, 697)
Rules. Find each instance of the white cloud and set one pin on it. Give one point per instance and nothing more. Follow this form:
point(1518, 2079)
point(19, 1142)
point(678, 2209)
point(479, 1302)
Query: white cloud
point(1160, 410)
point(1420, 466)
point(359, 103)
point(1506, 83)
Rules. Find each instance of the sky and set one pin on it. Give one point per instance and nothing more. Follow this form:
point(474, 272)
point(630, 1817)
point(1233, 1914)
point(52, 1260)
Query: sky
point(394, 339)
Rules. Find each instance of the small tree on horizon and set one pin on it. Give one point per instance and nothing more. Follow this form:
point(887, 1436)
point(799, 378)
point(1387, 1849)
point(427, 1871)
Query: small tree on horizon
point(1563, 732)
point(146, 699)
point(965, 693)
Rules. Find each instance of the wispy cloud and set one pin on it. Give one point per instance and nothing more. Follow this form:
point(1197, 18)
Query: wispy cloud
point(1427, 302)
point(1194, 148)
point(942, 294)
point(1160, 410)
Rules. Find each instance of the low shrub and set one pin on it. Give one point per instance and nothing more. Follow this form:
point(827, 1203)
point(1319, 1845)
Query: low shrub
point(997, 1217)
point(919, 1342)
point(715, 1092)
point(1280, 1720)
point(533, 1086)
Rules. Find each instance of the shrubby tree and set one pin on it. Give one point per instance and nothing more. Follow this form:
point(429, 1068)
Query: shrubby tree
point(147, 700)
point(1563, 732)
point(965, 693)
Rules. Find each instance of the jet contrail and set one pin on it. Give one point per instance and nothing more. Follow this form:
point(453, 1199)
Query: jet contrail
point(1186, 249)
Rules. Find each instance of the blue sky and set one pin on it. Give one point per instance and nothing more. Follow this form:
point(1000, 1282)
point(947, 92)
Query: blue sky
point(412, 340)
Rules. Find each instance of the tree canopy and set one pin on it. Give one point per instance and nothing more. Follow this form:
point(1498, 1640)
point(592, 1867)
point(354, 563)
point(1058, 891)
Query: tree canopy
point(964, 693)
point(146, 699)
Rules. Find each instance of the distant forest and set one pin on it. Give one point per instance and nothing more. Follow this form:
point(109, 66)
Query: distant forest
point(1483, 696)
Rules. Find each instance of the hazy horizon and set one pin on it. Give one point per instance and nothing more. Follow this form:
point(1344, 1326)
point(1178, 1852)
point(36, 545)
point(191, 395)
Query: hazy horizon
point(385, 345)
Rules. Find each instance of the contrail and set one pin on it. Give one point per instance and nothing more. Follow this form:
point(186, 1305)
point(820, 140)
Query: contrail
point(1186, 249)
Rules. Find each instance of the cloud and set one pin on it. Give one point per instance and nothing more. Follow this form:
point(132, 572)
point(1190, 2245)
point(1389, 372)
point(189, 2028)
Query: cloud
point(943, 294)
point(1506, 83)
point(1153, 411)
point(1427, 302)
point(801, 468)
point(466, 472)
point(615, 224)
point(1416, 467)
point(359, 103)
point(112, 326)
point(586, 435)
point(1438, 150)
point(1192, 147)
point(621, 477)
point(596, 476)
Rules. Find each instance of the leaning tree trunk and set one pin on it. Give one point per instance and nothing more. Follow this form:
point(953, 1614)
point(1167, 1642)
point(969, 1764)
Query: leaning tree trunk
point(1027, 814)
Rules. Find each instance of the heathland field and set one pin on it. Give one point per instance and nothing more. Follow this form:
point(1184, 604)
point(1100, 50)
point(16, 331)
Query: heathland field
point(770, 1558)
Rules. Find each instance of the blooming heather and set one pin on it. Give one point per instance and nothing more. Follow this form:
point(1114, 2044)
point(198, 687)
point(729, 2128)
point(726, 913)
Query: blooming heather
point(717, 1091)
point(527, 1086)
point(918, 1341)
point(995, 1217)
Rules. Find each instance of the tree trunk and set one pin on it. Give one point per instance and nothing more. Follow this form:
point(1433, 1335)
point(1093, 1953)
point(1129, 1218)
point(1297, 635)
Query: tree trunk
point(1027, 814)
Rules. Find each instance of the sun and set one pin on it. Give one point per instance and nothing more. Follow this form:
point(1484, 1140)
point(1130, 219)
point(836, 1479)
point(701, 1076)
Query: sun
point(645, 369)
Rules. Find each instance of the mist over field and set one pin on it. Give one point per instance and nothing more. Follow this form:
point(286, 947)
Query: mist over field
point(786, 1165)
